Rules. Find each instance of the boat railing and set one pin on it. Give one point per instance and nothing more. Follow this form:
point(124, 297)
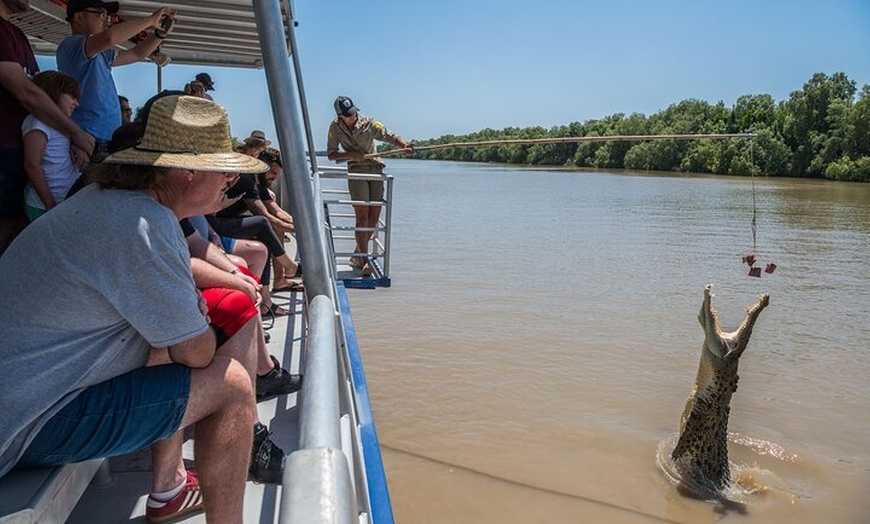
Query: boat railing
point(325, 479)
point(338, 449)
point(341, 226)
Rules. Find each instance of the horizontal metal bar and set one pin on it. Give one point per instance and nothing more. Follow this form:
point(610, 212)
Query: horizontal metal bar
point(352, 228)
point(342, 254)
point(356, 202)
point(317, 488)
point(319, 419)
point(342, 174)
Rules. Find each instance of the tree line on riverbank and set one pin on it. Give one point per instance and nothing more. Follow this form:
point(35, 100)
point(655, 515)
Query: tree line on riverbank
point(822, 130)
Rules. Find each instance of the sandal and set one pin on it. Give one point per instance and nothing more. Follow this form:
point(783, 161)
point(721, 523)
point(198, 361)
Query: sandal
point(289, 286)
point(273, 310)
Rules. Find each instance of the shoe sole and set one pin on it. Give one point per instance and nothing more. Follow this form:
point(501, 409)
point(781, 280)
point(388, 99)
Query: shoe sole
point(174, 516)
point(269, 396)
point(251, 478)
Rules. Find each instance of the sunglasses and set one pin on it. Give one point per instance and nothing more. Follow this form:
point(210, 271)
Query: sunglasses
point(104, 15)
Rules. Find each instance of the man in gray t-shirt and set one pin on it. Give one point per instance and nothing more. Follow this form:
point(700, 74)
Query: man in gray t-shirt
point(106, 346)
point(89, 307)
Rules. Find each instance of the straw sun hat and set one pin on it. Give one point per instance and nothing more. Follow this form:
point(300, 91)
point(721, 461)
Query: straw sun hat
point(188, 132)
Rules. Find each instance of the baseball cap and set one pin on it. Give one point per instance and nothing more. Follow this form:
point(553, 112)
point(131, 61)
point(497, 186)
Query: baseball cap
point(76, 6)
point(205, 79)
point(344, 106)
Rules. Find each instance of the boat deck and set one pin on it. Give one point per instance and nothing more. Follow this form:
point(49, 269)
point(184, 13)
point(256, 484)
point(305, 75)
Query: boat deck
point(123, 498)
point(340, 468)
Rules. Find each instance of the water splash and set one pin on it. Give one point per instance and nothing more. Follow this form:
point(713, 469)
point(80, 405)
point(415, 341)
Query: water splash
point(753, 470)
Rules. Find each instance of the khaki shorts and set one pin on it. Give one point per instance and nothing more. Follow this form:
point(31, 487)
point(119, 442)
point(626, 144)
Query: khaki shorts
point(368, 190)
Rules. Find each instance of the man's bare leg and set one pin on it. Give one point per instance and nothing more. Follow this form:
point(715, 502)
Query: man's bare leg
point(222, 405)
point(264, 360)
point(361, 214)
point(285, 263)
point(372, 219)
point(167, 463)
point(253, 252)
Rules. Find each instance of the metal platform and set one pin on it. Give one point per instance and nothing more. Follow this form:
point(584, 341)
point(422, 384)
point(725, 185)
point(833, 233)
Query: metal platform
point(341, 228)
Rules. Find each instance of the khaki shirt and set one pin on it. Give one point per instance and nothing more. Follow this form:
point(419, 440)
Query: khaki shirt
point(360, 139)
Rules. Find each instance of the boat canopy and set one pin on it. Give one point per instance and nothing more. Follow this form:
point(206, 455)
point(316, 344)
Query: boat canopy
point(217, 32)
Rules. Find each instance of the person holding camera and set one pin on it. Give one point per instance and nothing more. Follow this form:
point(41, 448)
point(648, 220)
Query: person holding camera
point(90, 53)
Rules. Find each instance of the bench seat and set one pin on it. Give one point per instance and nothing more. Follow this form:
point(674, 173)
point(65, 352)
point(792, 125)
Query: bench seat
point(44, 495)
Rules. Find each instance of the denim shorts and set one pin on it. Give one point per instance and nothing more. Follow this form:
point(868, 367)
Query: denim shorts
point(228, 243)
point(114, 417)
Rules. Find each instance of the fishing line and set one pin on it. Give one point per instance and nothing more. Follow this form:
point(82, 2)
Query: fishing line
point(751, 258)
point(563, 140)
point(548, 491)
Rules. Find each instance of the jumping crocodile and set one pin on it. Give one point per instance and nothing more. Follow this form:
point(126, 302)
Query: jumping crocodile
point(701, 453)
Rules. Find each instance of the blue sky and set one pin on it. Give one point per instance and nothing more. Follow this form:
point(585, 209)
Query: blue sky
point(451, 67)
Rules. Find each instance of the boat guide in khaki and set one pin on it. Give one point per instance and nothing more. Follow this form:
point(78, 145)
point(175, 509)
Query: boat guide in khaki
point(701, 453)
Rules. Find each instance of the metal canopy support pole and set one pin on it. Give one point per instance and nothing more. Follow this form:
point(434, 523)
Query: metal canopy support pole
point(316, 475)
point(303, 103)
point(296, 181)
point(306, 122)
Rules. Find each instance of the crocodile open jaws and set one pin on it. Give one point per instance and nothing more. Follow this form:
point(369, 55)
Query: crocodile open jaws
point(701, 453)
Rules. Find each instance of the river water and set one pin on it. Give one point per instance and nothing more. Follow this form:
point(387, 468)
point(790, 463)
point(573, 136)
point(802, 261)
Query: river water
point(532, 358)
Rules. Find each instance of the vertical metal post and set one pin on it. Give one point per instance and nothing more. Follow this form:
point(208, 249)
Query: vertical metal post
point(388, 219)
point(306, 122)
point(296, 179)
point(303, 103)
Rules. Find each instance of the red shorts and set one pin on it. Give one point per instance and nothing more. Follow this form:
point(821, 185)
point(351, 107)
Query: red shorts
point(228, 309)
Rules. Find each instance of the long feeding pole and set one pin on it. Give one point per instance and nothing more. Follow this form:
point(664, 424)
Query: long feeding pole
point(565, 140)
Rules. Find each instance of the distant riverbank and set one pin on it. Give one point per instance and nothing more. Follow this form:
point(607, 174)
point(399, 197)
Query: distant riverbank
point(821, 131)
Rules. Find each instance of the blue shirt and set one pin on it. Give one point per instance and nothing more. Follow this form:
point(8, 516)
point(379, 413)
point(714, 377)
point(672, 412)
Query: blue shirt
point(98, 112)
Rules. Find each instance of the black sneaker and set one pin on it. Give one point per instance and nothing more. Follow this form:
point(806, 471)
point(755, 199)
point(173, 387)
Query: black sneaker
point(267, 459)
point(279, 381)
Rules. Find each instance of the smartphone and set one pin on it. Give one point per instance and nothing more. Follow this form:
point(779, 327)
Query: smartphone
point(165, 22)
